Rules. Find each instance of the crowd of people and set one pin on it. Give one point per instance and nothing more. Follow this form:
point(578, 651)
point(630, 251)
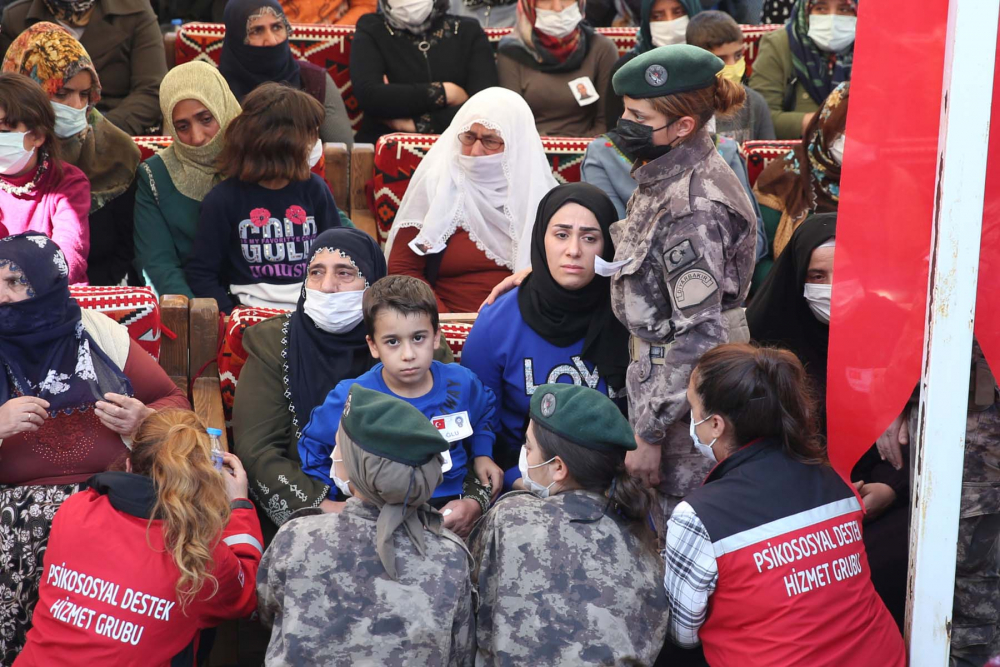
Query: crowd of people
point(627, 465)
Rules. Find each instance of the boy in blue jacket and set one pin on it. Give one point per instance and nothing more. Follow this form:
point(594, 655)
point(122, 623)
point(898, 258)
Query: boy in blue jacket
point(401, 316)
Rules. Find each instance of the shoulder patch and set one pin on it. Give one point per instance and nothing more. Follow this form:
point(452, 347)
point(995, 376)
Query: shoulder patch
point(693, 288)
point(679, 256)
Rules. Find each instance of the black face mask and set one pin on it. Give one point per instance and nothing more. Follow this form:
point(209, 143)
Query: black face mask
point(637, 140)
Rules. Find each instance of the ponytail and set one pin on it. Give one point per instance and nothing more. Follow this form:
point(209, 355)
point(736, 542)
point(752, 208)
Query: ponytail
point(729, 97)
point(173, 449)
point(761, 392)
point(722, 97)
point(603, 472)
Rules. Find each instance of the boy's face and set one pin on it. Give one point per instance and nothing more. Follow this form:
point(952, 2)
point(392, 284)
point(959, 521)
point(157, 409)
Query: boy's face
point(405, 345)
point(730, 53)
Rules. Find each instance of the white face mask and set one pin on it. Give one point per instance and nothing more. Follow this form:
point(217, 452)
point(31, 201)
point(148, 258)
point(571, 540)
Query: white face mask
point(832, 32)
point(703, 449)
point(608, 269)
point(343, 485)
point(532, 485)
point(665, 33)
point(837, 149)
point(558, 24)
point(69, 121)
point(818, 297)
point(316, 153)
point(336, 312)
point(484, 170)
point(411, 12)
point(13, 157)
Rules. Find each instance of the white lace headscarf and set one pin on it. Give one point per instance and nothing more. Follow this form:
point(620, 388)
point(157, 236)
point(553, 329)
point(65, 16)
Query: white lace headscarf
point(499, 213)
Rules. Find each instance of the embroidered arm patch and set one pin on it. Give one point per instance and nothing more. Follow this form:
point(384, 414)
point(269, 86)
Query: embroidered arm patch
point(693, 288)
point(680, 256)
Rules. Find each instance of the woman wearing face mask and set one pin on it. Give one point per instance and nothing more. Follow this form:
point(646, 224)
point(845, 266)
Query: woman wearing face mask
point(561, 67)
point(661, 23)
point(125, 40)
point(465, 221)
point(489, 13)
point(107, 156)
point(38, 191)
point(256, 51)
point(687, 252)
point(73, 390)
point(558, 325)
point(413, 66)
point(805, 181)
point(798, 67)
point(197, 107)
point(582, 533)
point(765, 562)
point(792, 310)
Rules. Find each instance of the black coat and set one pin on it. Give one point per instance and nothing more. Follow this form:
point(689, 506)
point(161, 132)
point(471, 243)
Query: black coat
point(458, 53)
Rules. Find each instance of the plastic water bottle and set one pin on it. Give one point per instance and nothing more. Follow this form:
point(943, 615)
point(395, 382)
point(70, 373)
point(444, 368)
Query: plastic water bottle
point(215, 436)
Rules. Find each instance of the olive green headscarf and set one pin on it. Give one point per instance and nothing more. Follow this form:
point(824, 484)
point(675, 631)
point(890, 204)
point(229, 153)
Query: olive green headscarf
point(399, 491)
point(192, 168)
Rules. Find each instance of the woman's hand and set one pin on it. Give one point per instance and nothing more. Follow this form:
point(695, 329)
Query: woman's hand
point(644, 463)
point(506, 285)
point(891, 442)
point(806, 119)
point(121, 414)
point(454, 94)
point(235, 476)
point(23, 414)
point(489, 474)
point(462, 516)
point(877, 498)
point(401, 124)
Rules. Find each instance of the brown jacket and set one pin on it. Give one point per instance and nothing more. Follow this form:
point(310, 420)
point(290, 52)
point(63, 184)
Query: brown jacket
point(125, 43)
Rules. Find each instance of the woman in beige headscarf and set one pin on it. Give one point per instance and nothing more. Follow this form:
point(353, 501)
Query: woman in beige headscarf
point(197, 106)
point(108, 157)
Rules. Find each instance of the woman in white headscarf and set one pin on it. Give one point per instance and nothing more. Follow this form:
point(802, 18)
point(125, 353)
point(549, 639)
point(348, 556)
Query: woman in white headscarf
point(465, 221)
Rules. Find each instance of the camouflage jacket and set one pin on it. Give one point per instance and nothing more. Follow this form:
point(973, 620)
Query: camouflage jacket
point(555, 590)
point(691, 234)
point(322, 586)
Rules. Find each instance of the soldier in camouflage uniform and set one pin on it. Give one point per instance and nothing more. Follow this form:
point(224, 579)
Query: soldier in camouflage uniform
point(381, 583)
point(571, 577)
point(690, 238)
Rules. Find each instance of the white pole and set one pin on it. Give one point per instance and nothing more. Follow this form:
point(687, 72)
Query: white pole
point(958, 215)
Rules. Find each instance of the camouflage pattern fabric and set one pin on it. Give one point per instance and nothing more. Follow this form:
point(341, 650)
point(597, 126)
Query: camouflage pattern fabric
point(560, 588)
point(691, 234)
point(322, 587)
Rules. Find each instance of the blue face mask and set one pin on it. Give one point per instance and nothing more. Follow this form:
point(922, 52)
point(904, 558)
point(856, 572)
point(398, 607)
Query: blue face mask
point(703, 449)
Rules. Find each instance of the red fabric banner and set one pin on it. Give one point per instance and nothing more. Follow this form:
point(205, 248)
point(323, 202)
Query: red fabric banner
point(884, 223)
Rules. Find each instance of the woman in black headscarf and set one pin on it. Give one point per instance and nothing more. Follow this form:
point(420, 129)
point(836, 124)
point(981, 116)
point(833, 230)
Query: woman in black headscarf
point(558, 325)
point(256, 50)
point(792, 310)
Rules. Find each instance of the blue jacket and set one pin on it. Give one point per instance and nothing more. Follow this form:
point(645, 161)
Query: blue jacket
point(512, 361)
point(455, 390)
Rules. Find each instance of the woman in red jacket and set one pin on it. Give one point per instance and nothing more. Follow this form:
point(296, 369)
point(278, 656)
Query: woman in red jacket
point(142, 560)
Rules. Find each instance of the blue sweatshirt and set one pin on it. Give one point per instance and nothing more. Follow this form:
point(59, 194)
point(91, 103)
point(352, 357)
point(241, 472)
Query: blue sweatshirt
point(253, 243)
point(457, 391)
point(512, 360)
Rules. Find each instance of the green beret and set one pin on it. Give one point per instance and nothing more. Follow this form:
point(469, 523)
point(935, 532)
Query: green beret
point(582, 415)
point(667, 70)
point(390, 428)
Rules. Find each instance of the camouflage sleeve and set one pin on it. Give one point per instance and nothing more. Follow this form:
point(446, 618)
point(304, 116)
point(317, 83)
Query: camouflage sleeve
point(692, 263)
point(473, 489)
point(484, 580)
point(463, 632)
point(271, 576)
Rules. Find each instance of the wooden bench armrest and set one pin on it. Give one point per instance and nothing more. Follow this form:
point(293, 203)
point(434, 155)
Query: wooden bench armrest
point(204, 333)
point(174, 314)
point(338, 165)
point(458, 318)
point(206, 397)
point(170, 49)
point(362, 169)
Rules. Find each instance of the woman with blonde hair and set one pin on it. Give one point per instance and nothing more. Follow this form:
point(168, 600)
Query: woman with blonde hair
point(143, 559)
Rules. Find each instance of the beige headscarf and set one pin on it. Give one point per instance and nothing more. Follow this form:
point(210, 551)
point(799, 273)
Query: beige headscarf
point(399, 491)
point(192, 168)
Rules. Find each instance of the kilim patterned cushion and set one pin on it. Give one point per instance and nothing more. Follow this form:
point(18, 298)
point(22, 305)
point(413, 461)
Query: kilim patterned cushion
point(759, 154)
point(233, 356)
point(328, 46)
point(397, 156)
point(150, 146)
point(134, 307)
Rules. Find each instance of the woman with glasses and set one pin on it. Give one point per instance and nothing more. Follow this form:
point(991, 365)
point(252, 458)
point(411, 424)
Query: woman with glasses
point(466, 219)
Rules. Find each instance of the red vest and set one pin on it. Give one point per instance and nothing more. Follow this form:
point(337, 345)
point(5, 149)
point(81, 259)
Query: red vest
point(794, 586)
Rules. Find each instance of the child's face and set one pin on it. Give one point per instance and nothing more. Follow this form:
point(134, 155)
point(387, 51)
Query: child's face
point(405, 345)
point(730, 53)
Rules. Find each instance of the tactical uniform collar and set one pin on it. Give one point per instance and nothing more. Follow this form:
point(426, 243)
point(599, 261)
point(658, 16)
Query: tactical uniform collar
point(681, 159)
